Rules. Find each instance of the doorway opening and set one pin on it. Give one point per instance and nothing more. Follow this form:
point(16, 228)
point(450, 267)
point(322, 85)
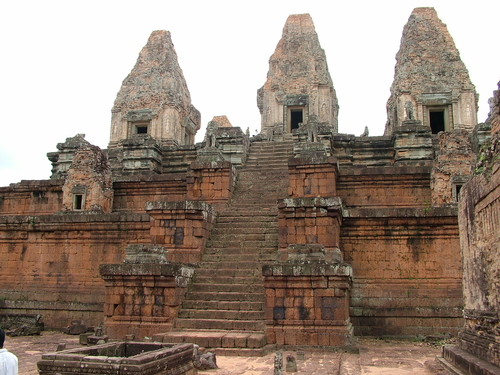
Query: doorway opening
point(437, 120)
point(295, 117)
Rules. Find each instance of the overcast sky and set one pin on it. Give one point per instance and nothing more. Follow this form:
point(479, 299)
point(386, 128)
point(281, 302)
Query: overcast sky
point(63, 62)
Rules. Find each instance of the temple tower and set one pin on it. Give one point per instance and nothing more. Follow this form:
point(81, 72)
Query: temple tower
point(154, 99)
point(431, 83)
point(298, 84)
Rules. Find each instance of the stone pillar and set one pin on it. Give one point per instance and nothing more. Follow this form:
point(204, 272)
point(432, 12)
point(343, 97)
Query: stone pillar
point(313, 176)
point(307, 291)
point(143, 294)
point(307, 303)
point(210, 178)
point(181, 227)
point(309, 221)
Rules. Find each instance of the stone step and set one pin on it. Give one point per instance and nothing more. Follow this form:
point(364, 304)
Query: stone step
point(249, 225)
point(240, 242)
point(231, 288)
point(234, 251)
point(243, 265)
point(250, 280)
point(258, 231)
point(223, 305)
point(251, 220)
point(225, 296)
point(232, 258)
point(229, 272)
point(220, 324)
point(215, 339)
point(221, 314)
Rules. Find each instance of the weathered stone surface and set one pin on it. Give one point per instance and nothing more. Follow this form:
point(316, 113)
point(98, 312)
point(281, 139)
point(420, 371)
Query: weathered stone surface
point(61, 160)
point(206, 361)
point(430, 77)
point(452, 166)
point(479, 208)
point(21, 324)
point(154, 98)
point(298, 82)
point(222, 121)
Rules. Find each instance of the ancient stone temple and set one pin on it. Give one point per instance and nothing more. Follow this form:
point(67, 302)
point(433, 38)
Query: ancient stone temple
point(431, 83)
point(297, 236)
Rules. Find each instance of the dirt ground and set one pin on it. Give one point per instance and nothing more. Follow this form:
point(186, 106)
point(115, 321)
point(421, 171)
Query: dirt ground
point(376, 357)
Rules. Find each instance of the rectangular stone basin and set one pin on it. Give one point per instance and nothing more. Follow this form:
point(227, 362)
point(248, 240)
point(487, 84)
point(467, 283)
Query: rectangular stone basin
point(121, 358)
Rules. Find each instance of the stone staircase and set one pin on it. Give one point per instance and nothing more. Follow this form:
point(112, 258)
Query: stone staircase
point(224, 305)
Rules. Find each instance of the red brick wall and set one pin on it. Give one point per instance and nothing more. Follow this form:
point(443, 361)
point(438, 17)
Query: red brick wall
point(385, 187)
point(132, 193)
point(50, 264)
point(31, 198)
point(407, 271)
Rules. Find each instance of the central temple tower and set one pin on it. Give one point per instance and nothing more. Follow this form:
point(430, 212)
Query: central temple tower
point(298, 83)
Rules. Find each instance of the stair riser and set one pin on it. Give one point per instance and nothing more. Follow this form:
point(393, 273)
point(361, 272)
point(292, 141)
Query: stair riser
point(224, 305)
point(222, 296)
point(235, 325)
point(216, 288)
point(221, 314)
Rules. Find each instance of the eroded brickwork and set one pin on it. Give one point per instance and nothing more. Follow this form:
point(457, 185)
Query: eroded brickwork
point(479, 215)
point(50, 263)
point(452, 166)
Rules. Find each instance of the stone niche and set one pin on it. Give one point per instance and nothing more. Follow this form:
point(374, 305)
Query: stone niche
point(88, 186)
point(136, 358)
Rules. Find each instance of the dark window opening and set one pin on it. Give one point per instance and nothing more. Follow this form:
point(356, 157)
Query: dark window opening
point(436, 119)
point(457, 191)
point(78, 202)
point(141, 129)
point(296, 117)
point(38, 194)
